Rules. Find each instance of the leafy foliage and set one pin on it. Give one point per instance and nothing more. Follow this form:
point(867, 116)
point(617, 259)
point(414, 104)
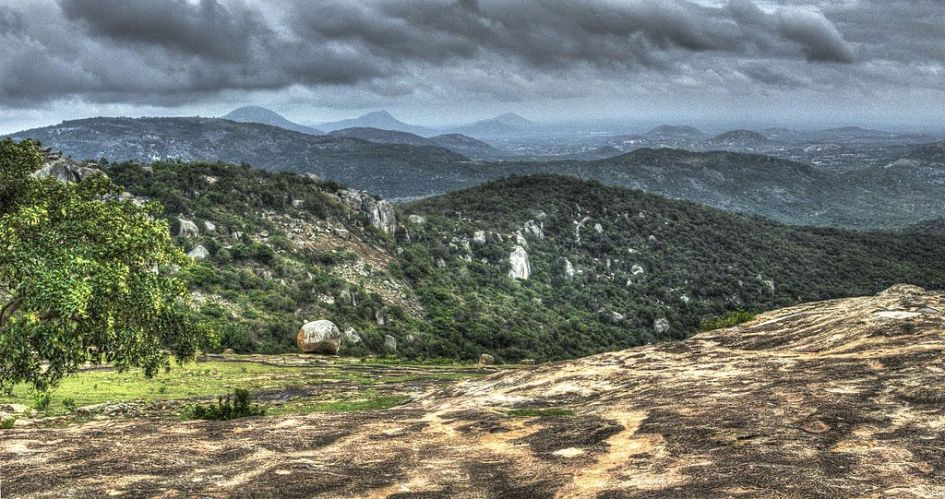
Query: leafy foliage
point(272, 265)
point(730, 319)
point(77, 277)
point(226, 408)
point(654, 262)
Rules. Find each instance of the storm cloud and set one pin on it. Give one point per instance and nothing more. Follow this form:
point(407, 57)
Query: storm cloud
point(174, 52)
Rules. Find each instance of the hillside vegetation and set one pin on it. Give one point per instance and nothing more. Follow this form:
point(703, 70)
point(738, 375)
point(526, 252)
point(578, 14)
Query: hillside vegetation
point(608, 267)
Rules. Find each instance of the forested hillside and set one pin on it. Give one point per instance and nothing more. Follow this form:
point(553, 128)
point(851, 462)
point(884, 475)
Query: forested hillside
point(606, 267)
point(611, 267)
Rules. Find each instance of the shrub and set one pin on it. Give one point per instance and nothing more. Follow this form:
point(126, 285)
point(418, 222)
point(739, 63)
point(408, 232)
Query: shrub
point(226, 408)
point(7, 422)
point(69, 404)
point(728, 320)
point(41, 401)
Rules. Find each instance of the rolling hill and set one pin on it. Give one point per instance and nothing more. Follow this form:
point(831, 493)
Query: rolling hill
point(467, 146)
point(888, 196)
point(377, 119)
point(391, 170)
point(263, 116)
point(502, 125)
point(544, 267)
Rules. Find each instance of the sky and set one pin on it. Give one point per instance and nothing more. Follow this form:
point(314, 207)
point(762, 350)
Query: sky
point(442, 62)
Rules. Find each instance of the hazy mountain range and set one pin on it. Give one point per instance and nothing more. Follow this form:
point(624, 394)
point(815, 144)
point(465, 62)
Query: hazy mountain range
point(400, 165)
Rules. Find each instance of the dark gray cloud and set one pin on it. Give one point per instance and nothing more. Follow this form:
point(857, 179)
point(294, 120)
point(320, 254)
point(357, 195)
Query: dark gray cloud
point(206, 28)
point(174, 52)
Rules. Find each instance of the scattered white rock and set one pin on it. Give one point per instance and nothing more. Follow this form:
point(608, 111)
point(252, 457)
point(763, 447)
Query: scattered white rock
point(568, 268)
point(636, 269)
point(479, 237)
point(417, 219)
point(661, 325)
point(187, 228)
point(351, 336)
point(599, 228)
point(518, 260)
point(535, 229)
point(520, 239)
point(390, 343)
point(199, 253)
point(209, 226)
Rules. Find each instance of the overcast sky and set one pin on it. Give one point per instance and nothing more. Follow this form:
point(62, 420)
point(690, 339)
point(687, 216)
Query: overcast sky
point(435, 62)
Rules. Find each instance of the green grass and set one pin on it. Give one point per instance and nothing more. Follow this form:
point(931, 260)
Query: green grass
point(369, 401)
point(729, 320)
point(208, 380)
point(7, 423)
point(540, 413)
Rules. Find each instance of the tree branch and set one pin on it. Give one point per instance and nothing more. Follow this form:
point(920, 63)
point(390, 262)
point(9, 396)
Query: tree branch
point(8, 310)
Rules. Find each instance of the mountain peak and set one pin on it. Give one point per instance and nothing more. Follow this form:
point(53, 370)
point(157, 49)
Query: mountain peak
point(379, 114)
point(264, 116)
point(514, 120)
point(380, 119)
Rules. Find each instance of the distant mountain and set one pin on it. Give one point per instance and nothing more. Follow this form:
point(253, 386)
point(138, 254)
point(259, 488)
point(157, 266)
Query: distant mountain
point(467, 146)
point(504, 124)
point(670, 132)
point(392, 170)
point(749, 183)
point(377, 119)
point(382, 136)
point(738, 138)
point(883, 196)
point(785, 135)
point(263, 116)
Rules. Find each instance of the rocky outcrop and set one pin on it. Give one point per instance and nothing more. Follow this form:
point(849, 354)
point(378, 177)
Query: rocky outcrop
point(199, 253)
point(661, 325)
point(520, 267)
point(321, 336)
point(569, 269)
point(351, 337)
point(380, 212)
point(65, 169)
point(534, 228)
point(187, 228)
point(390, 343)
point(486, 360)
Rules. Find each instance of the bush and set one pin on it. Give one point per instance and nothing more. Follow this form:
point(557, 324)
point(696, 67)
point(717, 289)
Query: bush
point(41, 401)
point(226, 408)
point(7, 422)
point(730, 319)
point(69, 404)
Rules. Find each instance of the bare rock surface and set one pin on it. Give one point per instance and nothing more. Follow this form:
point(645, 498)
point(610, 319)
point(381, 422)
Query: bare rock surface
point(844, 398)
point(321, 336)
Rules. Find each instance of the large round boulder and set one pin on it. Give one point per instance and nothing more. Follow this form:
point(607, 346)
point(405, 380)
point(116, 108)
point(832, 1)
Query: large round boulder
point(320, 337)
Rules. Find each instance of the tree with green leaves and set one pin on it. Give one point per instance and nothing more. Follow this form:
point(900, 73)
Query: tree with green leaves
point(84, 277)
